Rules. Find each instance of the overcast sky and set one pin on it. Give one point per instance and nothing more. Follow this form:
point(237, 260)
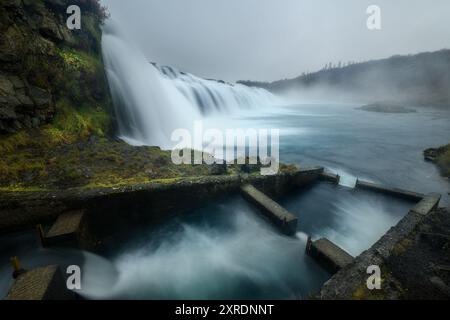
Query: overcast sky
point(276, 39)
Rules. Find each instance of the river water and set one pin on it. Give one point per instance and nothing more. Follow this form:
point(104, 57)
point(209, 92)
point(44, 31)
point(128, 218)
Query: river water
point(225, 250)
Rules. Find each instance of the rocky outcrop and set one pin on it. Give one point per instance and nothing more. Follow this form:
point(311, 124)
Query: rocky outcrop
point(33, 73)
point(23, 105)
point(441, 157)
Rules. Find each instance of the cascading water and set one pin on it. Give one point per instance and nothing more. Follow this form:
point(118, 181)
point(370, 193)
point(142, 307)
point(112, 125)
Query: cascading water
point(216, 95)
point(152, 101)
point(148, 107)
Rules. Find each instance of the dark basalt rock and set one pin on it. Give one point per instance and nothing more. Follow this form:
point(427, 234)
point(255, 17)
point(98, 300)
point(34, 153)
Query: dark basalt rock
point(33, 72)
point(20, 103)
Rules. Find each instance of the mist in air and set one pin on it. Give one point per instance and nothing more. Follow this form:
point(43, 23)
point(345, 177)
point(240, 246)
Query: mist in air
point(268, 40)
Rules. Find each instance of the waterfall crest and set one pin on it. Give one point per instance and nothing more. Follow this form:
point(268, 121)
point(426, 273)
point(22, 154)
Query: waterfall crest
point(210, 95)
point(152, 101)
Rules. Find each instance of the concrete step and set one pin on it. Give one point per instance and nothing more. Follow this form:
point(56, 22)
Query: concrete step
point(328, 176)
point(427, 204)
point(66, 231)
point(330, 256)
point(282, 218)
point(45, 283)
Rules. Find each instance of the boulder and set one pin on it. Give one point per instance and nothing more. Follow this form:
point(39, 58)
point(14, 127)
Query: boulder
point(6, 112)
point(17, 82)
point(25, 102)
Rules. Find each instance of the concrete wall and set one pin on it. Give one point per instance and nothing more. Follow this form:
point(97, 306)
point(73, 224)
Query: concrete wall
point(126, 206)
point(396, 192)
point(349, 281)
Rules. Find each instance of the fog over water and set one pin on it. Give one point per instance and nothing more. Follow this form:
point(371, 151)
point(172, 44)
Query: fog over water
point(225, 250)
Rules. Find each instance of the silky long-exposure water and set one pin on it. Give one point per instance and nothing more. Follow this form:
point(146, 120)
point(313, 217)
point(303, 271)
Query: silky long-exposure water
point(226, 251)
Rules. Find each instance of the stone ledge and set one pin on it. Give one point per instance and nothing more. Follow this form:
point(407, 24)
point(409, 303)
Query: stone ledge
point(427, 204)
point(332, 177)
point(330, 256)
point(23, 210)
point(415, 196)
point(45, 283)
point(282, 218)
point(66, 231)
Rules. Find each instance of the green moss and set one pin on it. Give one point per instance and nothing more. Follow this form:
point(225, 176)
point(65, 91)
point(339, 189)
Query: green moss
point(76, 60)
point(71, 124)
point(20, 188)
point(12, 142)
point(443, 161)
point(362, 293)
point(22, 166)
point(116, 182)
point(73, 72)
point(288, 168)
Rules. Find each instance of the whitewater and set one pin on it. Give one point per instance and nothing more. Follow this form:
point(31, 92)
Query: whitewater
point(152, 101)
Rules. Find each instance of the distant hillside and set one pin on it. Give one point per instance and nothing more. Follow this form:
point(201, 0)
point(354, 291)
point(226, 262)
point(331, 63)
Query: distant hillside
point(422, 79)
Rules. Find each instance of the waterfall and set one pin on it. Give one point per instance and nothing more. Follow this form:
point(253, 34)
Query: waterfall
point(152, 101)
point(216, 95)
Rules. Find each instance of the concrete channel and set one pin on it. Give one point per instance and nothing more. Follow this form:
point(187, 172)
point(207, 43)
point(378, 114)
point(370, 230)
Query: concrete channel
point(75, 217)
point(349, 279)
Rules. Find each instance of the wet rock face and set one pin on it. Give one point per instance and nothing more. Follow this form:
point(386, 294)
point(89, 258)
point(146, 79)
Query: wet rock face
point(23, 105)
point(32, 71)
point(26, 100)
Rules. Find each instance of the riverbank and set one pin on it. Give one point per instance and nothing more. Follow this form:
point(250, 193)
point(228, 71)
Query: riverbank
point(441, 157)
point(96, 162)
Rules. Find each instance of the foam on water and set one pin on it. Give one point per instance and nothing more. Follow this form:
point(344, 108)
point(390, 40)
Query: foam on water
point(245, 259)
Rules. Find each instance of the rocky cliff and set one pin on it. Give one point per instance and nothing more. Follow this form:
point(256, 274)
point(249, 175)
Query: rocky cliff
point(44, 66)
